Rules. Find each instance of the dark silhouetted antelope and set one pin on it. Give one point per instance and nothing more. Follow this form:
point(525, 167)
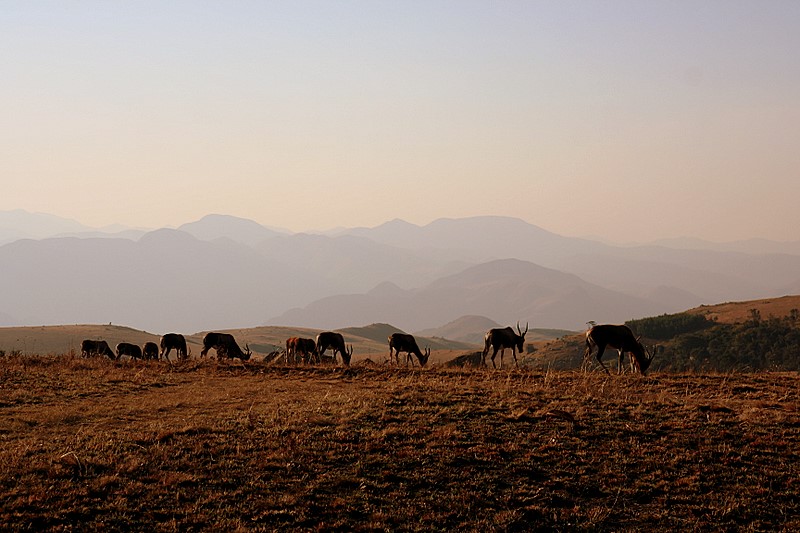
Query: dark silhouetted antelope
point(170, 341)
point(402, 342)
point(502, 338)
point(150, 350)
point(131, 350)
point(621, 339)
point(225, 346)
point(90, 347)
point(335, 342)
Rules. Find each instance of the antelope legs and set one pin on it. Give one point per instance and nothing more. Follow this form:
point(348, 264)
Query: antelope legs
point(600, 350)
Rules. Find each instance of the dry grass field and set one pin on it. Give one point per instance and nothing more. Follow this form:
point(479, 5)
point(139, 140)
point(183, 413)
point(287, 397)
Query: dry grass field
point(97, 444)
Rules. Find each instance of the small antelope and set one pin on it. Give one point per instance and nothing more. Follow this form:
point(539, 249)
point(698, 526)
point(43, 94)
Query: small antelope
point(299, 349)
point(620, 338)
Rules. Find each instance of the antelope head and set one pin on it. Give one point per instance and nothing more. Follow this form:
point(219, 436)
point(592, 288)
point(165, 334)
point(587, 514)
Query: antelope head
point(347, 355)
point(423, 359)
point(521, 341)
point(642, 356)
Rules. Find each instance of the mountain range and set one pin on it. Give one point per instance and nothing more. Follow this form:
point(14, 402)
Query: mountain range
point(225, 272)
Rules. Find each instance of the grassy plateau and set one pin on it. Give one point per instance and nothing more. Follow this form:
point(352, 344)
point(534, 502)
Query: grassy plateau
point(225, 446)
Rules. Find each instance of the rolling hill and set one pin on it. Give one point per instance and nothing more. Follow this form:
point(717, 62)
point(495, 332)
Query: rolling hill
point(567, 352)
point(368, 341)
point(471, 329)
point(507, 290)
point(223, 272)
point(739, 312)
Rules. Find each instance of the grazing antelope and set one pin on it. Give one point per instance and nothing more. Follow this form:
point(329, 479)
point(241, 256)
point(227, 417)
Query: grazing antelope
point(298, 347)
point(334, 341)
point(502, 338)
point(401, 342)
point(150, 350)
point(225, 346)
point(131, 350)
point(176, 341)
point(90, 347)
point(620, 338)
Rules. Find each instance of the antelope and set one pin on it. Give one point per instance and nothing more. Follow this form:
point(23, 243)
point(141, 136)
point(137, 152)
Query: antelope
point(131, 350)
point(299, 347)
point(502, 338)
point(90, 347)
point(334, 341)
point(225, 346)
point(150, 350)
point(170, 341)
point(620, 338)
point(401, 342)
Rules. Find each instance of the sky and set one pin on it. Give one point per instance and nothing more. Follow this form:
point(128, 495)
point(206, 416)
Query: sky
point(626, 120)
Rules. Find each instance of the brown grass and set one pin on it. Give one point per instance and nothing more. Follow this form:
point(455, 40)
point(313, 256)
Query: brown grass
point(94, 444)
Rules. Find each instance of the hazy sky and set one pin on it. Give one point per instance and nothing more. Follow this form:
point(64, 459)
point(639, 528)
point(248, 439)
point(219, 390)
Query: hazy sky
point(629, 120)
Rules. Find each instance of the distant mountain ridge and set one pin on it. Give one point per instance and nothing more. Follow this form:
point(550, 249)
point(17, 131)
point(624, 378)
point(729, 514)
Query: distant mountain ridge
point(509, 289)
point(237, 229)
point(223, 272)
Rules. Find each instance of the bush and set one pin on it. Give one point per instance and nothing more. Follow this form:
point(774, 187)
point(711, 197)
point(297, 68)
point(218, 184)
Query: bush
point(757, 344)
point(667, 327)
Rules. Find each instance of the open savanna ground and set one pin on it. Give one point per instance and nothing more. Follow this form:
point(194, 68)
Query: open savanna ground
point(98, 444)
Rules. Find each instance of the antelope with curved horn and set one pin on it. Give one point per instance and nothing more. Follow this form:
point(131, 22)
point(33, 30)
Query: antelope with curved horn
point(401, 342)
point(334, 341)
point(225, 346)
point(502, 338)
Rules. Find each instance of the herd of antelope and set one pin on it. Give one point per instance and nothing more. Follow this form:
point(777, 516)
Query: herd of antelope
point(310, 351)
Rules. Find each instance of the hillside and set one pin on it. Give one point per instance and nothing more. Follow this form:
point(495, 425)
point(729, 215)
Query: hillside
point(471, 329)
point(468, 328)
point(730, 339)
point(738, 312)
point(368, 342)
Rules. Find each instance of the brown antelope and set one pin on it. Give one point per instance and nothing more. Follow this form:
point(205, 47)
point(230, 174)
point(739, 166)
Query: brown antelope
point(297, 347)
point(334, 341)
point(401, 342)
point(225, 346)
point(502, 338)
point(621, 339)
